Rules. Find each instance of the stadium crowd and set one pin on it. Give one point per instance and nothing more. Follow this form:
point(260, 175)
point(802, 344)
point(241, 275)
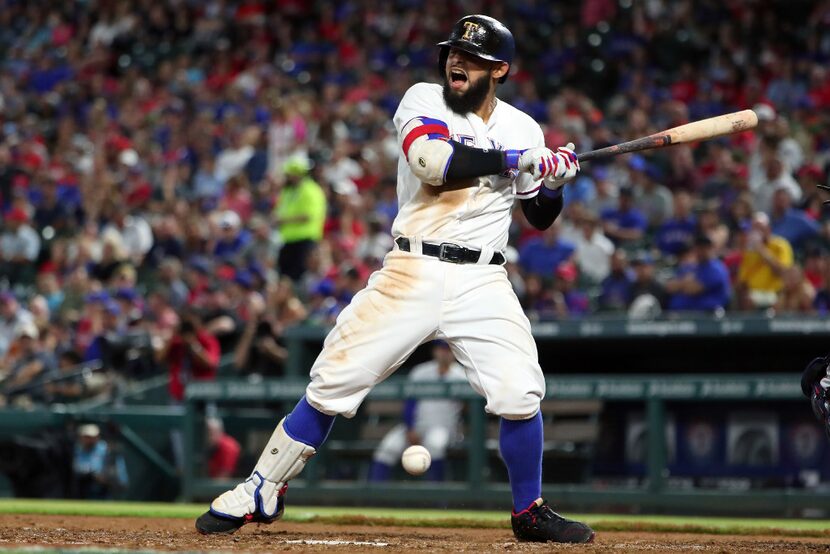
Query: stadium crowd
point(181, 180)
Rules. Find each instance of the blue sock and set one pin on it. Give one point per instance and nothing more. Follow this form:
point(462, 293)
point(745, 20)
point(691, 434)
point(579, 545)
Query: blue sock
point(379, 471)
point(308, 425)
point(520, 442)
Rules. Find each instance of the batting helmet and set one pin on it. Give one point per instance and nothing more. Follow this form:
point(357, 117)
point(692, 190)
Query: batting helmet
point(481, 36)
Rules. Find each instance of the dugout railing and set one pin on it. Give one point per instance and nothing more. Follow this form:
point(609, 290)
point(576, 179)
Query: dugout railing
point(653, 494)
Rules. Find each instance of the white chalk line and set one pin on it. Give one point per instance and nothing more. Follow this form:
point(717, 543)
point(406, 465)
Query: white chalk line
point(312, 542)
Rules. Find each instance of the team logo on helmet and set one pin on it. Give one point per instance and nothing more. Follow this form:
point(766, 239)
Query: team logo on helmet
point(469, 29)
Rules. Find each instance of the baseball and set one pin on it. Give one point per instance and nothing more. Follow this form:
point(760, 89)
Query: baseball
point(416, 460)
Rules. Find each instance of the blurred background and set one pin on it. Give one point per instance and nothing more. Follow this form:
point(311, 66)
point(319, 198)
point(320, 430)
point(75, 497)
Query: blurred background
point(160, 304)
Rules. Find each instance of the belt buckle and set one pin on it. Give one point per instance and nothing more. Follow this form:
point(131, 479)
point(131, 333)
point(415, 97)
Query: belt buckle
point(452, 253)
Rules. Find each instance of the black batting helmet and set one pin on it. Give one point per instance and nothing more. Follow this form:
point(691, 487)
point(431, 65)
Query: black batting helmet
point(481, 36)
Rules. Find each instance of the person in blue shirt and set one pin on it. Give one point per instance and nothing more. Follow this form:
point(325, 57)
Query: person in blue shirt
point(625, 223)
point(97, 470)
point(791, 223)
point(234, 240)
point(702, 285)
point(582, 190)
point(678, 232)
point(617, 287)
point(542, 255)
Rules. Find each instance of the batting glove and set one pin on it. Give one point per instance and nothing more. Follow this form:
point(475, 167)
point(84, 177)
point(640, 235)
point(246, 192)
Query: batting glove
point(556, 168)
point(815, 383)
point(567, 168)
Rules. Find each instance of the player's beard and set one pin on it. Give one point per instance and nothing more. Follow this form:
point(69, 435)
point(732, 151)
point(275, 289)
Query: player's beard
point(469, 101)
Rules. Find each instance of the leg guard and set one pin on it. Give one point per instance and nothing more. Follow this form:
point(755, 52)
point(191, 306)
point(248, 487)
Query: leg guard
point(282, 459)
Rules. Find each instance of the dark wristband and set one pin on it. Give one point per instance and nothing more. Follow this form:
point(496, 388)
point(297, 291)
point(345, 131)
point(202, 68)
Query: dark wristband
point(468, 162)
point(553, 194)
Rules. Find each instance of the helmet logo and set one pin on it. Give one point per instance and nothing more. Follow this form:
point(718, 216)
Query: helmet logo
point(469, 29)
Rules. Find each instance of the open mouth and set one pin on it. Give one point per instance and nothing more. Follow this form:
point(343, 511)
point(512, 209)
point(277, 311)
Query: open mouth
point(457, 76)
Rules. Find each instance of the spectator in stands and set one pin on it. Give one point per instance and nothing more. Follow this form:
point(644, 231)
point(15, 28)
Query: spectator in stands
point(568, 301)
point(50, 211)
point(616, 288)
point(13, 317)
point(263, 247)
point(219, 318)
point(593, 248)
point(48, 286)
point(607, 194)
point(283, 307)
point(709, 223)
point(645, 284)
point(191, 354)
point(300, 215)
point(703, 285)
point(113, 255)
point(39, 309)
point(777, 176)
point(678, 232)
point(207, 186)
point(19, 247)
point(233, 241)
point(260, 350)
point(170, 280)
point(811, 196)
point(98, 471)
point(625, 224)
point(790, 223)
point(652, 199)
point(822, 299)
point(763, 265)
point(432, 423)
point(71, 382)
point(133, 232)
point(797, 295)
point(223, 449)
point(30, 366)
point(542, 255)
point(167, 242)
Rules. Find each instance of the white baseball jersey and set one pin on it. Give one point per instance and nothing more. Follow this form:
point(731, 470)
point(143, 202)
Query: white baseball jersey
point(475, 216)
point(431, 412)
point(415, 298)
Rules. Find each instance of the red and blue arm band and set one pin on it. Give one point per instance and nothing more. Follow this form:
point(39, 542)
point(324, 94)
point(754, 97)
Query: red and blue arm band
point(429, 127)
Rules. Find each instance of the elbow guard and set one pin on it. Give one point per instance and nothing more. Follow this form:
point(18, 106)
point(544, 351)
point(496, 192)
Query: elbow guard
point(429, 158)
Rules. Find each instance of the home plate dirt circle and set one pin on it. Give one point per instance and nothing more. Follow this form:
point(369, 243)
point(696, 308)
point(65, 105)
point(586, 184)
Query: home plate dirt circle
point(99, 534)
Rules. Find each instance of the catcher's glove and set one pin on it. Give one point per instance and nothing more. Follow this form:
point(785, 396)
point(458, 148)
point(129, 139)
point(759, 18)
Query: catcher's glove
point(815, 382)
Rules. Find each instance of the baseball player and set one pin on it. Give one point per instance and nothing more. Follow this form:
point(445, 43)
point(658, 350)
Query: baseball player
point(431, 422)
point(465, 157)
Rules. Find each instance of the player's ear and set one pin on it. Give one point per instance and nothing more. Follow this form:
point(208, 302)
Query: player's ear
point(499, 70)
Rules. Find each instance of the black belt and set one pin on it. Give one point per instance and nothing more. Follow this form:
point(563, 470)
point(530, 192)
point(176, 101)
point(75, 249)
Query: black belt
point(449, 252)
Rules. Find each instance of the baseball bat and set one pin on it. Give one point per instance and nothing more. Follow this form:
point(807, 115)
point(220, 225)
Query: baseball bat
point(691, 132)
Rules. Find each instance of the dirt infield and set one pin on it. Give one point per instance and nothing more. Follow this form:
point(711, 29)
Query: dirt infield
point(82, 532)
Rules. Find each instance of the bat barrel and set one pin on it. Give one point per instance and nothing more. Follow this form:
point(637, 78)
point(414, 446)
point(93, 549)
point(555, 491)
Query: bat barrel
point(691, 132)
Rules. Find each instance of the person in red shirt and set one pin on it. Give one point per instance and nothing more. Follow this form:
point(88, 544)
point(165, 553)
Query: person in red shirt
point(224, 450)
point(192, 353)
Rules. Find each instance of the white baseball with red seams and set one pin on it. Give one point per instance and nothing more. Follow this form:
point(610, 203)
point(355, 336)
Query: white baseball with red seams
point(416, 460)
point(416, 298)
